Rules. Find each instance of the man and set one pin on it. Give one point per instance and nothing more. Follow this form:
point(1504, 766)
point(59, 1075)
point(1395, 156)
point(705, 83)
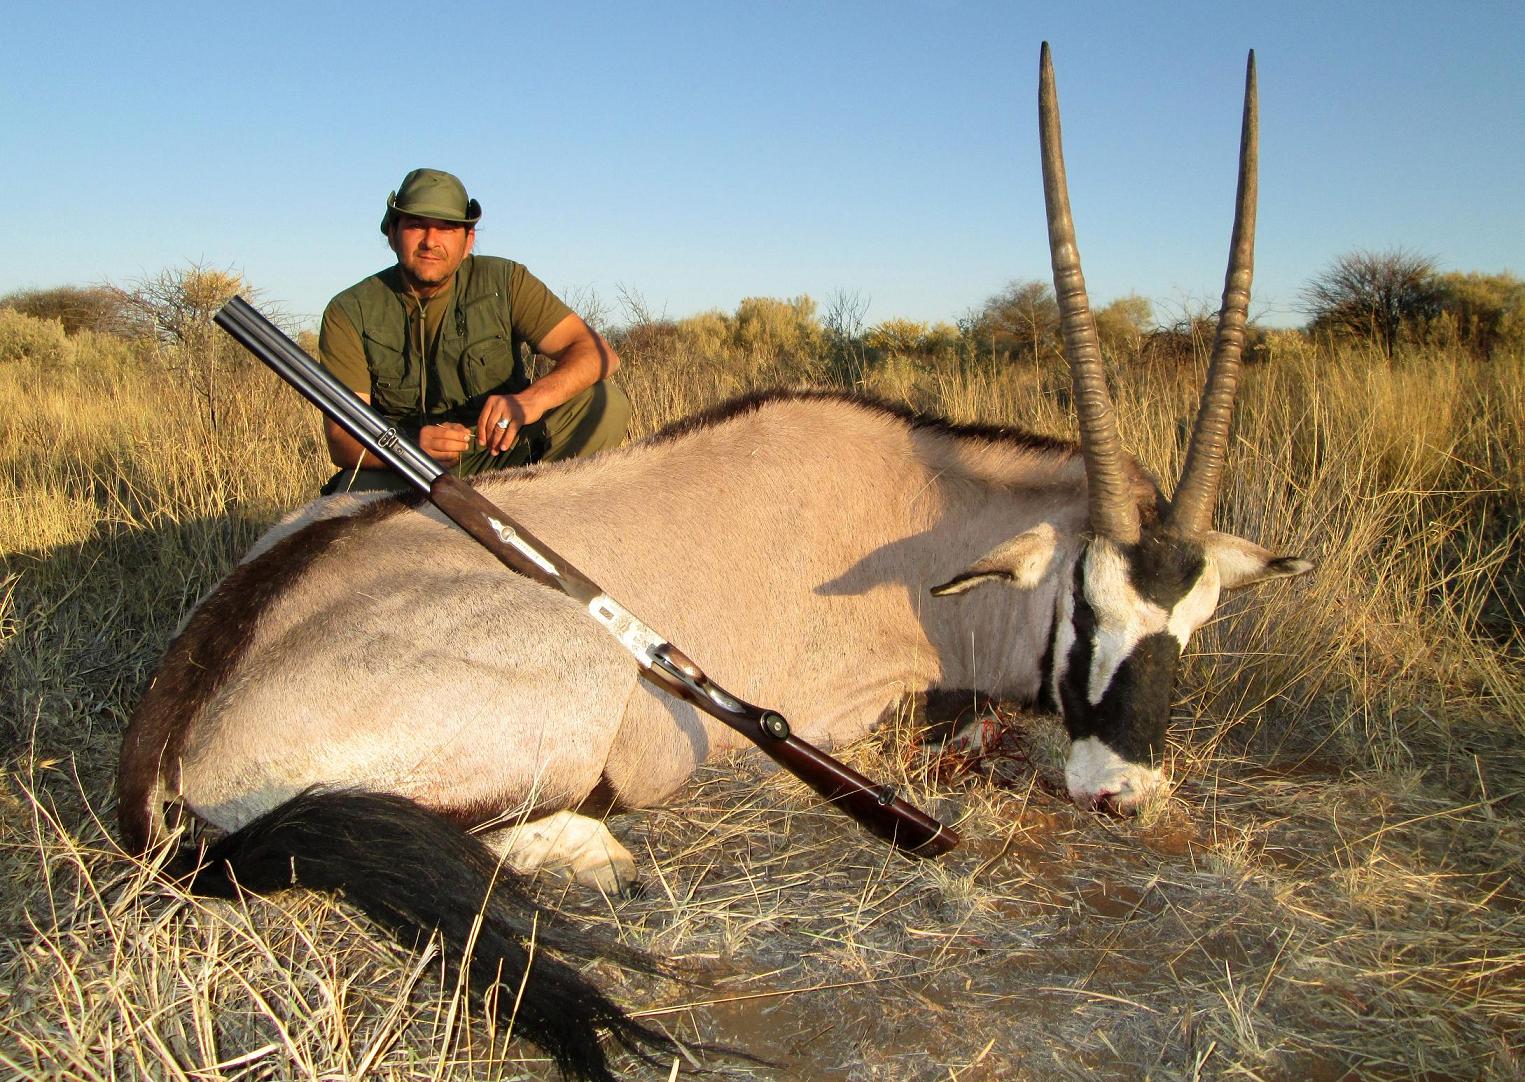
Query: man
point(432, 344)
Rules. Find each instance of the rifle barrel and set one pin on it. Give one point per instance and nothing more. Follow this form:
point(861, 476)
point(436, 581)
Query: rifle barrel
point(314, 382)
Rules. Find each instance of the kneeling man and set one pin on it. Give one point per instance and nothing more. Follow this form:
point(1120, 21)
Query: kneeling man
point(433, 344)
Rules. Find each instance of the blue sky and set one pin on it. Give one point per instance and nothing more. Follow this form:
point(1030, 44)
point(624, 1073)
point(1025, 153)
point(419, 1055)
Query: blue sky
point(697, 153)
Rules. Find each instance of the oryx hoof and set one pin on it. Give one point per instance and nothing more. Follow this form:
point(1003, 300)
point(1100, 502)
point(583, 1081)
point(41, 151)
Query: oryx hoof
point(611, 873)
point(571, 845)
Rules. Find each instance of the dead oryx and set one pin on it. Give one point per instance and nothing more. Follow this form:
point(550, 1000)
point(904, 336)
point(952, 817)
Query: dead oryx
point(369, 681)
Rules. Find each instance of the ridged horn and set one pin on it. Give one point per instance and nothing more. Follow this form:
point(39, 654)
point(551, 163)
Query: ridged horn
point(1114, 514)
point(1191, 508)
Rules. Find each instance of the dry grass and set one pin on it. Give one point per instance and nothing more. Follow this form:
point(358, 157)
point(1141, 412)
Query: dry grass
point(1332, 891)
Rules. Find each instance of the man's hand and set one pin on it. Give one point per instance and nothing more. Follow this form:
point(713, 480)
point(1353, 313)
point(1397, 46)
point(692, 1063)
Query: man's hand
point(501, 418)
point(580, 359)
point(444, 443)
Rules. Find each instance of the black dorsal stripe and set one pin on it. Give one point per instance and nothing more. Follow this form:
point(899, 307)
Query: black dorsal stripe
point(760, 400)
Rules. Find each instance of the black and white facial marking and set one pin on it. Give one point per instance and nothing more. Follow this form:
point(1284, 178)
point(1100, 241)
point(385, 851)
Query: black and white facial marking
point(1118, 642)
point(1117, 638)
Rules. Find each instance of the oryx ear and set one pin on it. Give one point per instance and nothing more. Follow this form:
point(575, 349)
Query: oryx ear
point(1022, 562)
point(1242, 563)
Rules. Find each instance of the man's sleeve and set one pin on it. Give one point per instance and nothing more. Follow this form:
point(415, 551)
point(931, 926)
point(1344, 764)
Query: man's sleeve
point(341, 352)
point(536, 310)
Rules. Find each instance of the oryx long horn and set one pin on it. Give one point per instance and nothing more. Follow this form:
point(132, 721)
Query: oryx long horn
point(1191, 508)
point(1114, 512)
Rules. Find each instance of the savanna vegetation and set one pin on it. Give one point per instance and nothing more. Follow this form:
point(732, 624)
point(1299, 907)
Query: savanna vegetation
point(1332, 890)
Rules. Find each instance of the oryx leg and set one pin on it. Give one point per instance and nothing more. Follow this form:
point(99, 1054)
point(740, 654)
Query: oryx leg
point(568, 844)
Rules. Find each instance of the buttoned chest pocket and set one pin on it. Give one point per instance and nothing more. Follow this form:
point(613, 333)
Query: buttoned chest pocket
point(394, 378)
point(491, 366)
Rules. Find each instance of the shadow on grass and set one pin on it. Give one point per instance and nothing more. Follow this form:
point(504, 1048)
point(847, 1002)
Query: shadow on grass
point(83, 625)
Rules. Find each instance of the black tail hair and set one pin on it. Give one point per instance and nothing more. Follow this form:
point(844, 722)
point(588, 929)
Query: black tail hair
point(416, 872)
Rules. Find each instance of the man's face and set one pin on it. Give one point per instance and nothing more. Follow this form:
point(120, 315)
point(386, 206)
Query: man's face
point(429, 250)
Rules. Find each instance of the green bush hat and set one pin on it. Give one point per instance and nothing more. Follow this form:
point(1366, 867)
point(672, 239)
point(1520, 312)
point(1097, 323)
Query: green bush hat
point(431, 193)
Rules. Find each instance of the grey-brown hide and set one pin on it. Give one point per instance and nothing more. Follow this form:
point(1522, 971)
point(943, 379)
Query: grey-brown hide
point(789, 543)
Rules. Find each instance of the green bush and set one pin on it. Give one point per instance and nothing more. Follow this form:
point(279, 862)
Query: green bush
point(1482, 313)
point(1121, 326)
point(103, 309)
point(24, 337)
point(898, 336)
point(779, 327)
point(1021, 321)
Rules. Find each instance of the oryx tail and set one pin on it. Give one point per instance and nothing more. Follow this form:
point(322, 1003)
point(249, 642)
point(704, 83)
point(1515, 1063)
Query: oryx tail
point(417, 873)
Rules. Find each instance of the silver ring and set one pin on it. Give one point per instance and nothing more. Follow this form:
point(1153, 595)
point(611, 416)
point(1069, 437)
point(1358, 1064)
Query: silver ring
point(503, 423)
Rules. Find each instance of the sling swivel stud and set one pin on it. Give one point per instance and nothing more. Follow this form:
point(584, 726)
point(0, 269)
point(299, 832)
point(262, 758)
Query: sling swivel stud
point(774, 725)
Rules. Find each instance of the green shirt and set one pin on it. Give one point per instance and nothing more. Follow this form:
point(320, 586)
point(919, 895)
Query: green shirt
point(533, 312)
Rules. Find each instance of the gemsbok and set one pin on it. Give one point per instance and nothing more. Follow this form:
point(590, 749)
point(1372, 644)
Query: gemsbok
point(369, 683)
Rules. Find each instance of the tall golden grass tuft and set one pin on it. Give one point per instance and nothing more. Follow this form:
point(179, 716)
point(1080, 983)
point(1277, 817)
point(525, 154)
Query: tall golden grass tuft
point(1334, 887)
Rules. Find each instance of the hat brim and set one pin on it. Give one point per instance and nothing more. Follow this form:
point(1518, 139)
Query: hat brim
point(438, 214)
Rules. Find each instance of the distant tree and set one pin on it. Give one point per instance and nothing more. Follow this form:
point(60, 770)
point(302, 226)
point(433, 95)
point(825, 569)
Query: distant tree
point(941, 341)
point(643, 333)
point(1374, 296)
point(844, 315)
point(843, 324)
point(586, 302)
point(1182, 336)
point(178, 304)
point(902, 336)
point(653, 339)
point(1484, 313)
point(1121, 325)
point(708, 333)
point(779, 328)
point(638, 311)
point(1022, 320)
point(79, 308)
